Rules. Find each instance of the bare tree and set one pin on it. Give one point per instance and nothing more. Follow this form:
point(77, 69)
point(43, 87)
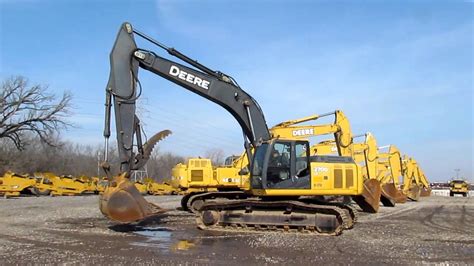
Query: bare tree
point(215, 155)
point(25, 109)
point(160, 164)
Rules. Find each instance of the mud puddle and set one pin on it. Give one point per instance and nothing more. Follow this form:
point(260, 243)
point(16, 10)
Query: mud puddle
point(161, 238)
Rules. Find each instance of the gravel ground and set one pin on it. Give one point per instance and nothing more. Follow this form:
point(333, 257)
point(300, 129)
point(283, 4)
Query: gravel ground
point(71, 230)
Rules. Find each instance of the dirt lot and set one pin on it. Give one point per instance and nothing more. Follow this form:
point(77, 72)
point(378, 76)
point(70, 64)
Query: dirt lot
point(72, 230)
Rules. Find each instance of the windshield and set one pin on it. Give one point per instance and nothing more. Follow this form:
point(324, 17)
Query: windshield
point(257, 166)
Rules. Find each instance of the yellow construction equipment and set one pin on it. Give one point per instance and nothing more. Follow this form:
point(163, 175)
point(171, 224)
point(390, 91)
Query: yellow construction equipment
point(198, 176)
point(163, 188)
point(415, 183)
point(390, 172)
point(411, 182)
point(342, 145)
point(99, 184)
point(202, 177)
point(53, 185)
point(426, 188)
point(366, 155)
point(458, 186)
point(142, 188)
point(194, 176)
point(12, 185)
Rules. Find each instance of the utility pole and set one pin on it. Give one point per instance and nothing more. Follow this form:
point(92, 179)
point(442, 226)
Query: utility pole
point(457, 172)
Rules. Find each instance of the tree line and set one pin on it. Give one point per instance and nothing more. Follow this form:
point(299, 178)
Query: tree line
point(31, 120)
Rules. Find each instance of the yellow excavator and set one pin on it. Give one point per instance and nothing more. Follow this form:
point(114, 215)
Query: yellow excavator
point(284, 178)
point(374, 169)
point(199, 175)
point(235, 177)
point(365, 154)
point(411, 180)
point(342, 146)
point(426, 187)
point(390, 165)
point(12, 184)
point(415, 182)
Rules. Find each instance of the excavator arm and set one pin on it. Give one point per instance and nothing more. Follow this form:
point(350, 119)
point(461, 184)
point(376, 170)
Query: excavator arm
point(392, 160)
point(340, 128)
point(125, 61)
point(367, 152)
point(390, 163)
point(411, 181)
point(123, 90)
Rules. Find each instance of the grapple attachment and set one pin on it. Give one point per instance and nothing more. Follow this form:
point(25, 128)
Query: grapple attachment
point(413, 193)
point(122, 202)
point(369, 201)
point(393, 192)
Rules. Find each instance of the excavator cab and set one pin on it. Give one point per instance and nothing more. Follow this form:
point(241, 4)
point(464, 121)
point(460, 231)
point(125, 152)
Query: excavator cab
point(281, 164)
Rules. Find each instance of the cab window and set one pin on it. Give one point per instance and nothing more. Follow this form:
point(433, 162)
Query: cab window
point(279, 164)
point(257, 166)
point(301, 162)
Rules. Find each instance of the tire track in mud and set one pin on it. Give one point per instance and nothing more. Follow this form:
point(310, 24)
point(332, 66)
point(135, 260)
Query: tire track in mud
point(404, 210)
point(429, 220)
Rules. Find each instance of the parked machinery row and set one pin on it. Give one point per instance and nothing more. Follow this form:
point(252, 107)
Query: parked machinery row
point(276, 184)
point(42, 184)
point(12, 184)
point(388, 177)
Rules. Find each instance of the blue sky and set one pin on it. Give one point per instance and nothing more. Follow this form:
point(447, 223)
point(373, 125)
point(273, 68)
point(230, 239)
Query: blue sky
point(402, 70)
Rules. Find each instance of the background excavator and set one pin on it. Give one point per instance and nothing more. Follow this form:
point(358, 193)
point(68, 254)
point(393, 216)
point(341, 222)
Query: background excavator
point(390, 165)
point(342, 145)
point(199, 175)
point(372, 167)
point(415, 183)
point(426, 188)
point(365, 154)
point(283, 175)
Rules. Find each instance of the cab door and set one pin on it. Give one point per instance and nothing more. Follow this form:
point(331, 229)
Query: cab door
point(288, 166)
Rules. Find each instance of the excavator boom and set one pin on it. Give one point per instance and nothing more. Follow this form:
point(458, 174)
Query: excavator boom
point(121, 200)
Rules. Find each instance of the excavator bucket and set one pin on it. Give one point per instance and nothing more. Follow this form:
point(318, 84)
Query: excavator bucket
point(369, 201)
point(414, 193)
point(122, 202)
point(386, 198)
point(425, 192)
point(391, 191)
